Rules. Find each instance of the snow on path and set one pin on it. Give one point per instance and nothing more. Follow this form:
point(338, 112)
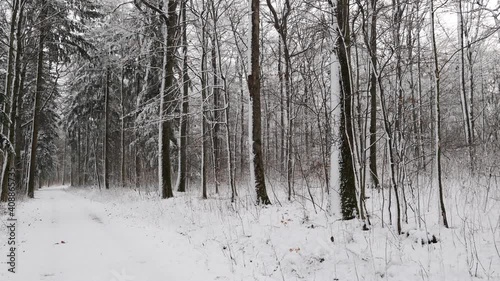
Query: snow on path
point(63, 237)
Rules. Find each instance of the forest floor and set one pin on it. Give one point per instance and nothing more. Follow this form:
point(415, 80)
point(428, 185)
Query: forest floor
point(73, 234)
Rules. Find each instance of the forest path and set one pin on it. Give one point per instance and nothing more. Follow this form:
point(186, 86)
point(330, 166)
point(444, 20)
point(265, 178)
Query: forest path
point(64, 237)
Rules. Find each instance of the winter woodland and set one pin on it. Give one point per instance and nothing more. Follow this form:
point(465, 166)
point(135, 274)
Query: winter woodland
point(249, 140)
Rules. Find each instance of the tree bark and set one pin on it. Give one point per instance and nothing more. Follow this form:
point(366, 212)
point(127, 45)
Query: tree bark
point(183, 138)
point(166, 93)
point(11, 105)
point(122, 130)
point(347, 178)
point(438, 117)
point(204, 142)
point(38, 92)
point(255, 111)
point(106, 128)
point(467, 122)
point(373, 96)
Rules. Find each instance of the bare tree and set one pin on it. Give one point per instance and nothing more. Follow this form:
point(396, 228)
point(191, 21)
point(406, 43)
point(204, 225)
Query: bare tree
point(255, 112)
point(437, 144)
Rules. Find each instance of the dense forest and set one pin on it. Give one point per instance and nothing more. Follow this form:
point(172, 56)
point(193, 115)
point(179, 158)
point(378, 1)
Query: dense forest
point(250, 140)
point(376, 111)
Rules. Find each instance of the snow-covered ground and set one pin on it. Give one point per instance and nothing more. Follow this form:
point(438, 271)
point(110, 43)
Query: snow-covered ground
point(70, 234)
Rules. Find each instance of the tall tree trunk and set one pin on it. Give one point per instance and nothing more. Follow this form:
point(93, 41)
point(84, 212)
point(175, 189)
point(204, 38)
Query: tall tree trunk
point(136, 130)
point(19, 143)
point(281, 26)
point(463, 88)
point(216, 103)
point(36, 109)
point(421, 161)
point(11, 105)
point(166, 93)
point(86, 171)
point(122, 130)
point(282, 110)
point(12, 93)
point(347, 178)
point(204, 142)
point(373, 96)
point(64, 161)
point(410, 44)
point(106, 128)
point(79, 157)
point(255, 112)
point(226, 113)
point(438, 116)
point(10, 59)
point(183, 138)
point(242, 120)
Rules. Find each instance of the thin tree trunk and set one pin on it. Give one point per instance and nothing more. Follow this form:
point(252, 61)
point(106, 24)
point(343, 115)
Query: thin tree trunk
point(216, 105)
point(242, 117)
point(106, 128)
point(204, 145)
point(226, 112)
point(87, 156)
point(122, 130)
point(421, 161)
point(96, 170)
point(64, 161)
point(78, 156)
point(438, 117)
point(281, 27)
point(463, 89)
point(136, 130)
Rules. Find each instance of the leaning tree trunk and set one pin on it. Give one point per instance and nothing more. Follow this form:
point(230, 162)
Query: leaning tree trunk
point(254, 110)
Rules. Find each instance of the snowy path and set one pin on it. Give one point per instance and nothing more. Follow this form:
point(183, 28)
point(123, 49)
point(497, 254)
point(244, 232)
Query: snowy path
point(64, 237)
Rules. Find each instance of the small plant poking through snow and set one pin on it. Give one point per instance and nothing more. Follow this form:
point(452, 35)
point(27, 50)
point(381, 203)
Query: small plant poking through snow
point(420, 236)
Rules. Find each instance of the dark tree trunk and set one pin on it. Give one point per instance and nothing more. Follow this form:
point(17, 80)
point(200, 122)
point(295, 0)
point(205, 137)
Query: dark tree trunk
point(122, 131)
point(36, 109)
point(373, 96)
point(216, 113)
point(166, 96)
point(79, 157)
point(183, 138)
point(255, 121)
point(347, 178)
point(106, 128)
point(19, 143)
point(204, 142)
point(11, 106)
